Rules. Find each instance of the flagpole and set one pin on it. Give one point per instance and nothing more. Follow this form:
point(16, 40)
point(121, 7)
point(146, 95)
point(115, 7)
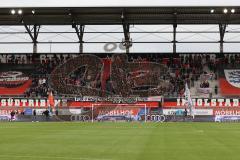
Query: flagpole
point(92, 113)
point(188, 99)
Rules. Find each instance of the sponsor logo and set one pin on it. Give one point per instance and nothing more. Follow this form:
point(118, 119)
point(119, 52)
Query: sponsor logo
point(226, 111)
point(80, 118)
point(156, 118)
point(180, 112)
point(116, 112)
point(227, 118)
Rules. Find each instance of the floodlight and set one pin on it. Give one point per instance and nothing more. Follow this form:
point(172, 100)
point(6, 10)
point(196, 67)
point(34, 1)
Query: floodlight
point(13, 11)
point(20, 11)
point(225, 11)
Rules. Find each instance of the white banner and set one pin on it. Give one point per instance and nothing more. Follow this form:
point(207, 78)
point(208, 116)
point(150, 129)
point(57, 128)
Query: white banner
point(61, 111)
point(204, 90)
point(202, 112)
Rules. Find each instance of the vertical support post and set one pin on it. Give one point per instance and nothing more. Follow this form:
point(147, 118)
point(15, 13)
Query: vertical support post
point(33, 35)
point(50, 46)
point(34, 47)
point(126, 30)
point(175, 32)
point(81, 28)
point(222, 30)
point(127, 48)
point(81, 47)
point(79, 31)
point(174, 38)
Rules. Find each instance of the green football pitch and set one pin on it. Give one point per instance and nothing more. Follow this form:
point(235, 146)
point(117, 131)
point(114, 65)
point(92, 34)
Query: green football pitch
point(119, 141)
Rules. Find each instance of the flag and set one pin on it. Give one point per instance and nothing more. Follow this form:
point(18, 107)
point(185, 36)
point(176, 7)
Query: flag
point(51, 99)
point(188, 100)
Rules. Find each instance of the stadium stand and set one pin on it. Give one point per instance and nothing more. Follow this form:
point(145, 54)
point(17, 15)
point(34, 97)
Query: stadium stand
point(199, 71)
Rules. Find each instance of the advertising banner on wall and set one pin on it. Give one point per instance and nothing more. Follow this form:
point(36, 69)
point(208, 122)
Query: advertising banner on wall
point(27, 102)
point(202, 112)
point(72, 103)
point(120, 113)
point(226, 111)
point(202, 102)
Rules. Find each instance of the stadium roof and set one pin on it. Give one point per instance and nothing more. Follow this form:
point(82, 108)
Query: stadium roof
point(115, 15)
point(116, 3)
point(151, 26)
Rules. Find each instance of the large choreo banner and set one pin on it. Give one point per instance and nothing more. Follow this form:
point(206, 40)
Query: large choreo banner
point(115, 76)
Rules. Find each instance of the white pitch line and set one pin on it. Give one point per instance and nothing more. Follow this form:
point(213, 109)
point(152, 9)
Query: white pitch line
point(49, 157)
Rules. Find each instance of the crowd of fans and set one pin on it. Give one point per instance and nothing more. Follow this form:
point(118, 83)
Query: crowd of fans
point(231, 61)
point(38, 88)
point(168, 73)
point(40, 77)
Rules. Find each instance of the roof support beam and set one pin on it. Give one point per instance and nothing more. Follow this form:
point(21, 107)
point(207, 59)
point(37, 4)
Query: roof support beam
point(174, 32)
point(33, 32)
point(79, 29)
point(126, 30)
point(137, 42)
point(222, 31)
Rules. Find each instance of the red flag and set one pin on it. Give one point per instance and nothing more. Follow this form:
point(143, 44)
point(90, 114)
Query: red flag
point(51, 99)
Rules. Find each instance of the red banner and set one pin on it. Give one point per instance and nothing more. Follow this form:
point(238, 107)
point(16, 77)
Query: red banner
point(15, 91)
point(227, 89)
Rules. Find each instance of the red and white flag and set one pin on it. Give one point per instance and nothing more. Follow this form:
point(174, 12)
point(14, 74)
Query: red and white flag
point(51, 99)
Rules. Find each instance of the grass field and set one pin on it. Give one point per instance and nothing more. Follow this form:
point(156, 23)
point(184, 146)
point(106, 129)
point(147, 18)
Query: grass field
point(119, 141)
